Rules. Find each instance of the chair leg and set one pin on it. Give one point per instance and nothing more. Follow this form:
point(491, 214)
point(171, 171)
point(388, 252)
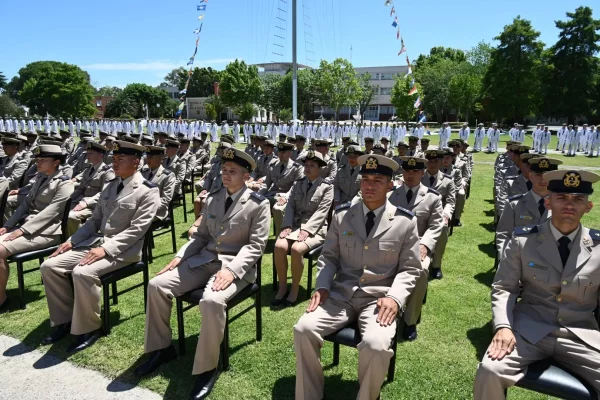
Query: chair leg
point(21, 281)
point(146, 280)
point(173, 240)
point(274, 273)
point(392, 366)
point(115, 293)
point(257, 303)
point(336, 354)
point(184, 209)
point(309, 281)
point(106, 308)
point(180, 327)
point(225, 344)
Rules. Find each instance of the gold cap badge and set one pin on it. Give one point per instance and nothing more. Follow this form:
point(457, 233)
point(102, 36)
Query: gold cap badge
point(116, 147)
point(572, 179)
point(371, 163)
point(412, 162)
point(544, 164)
point(229, 154)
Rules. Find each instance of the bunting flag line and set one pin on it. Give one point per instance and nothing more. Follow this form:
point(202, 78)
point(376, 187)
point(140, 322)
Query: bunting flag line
point(398, 33)
point(403, 48)
point(201, 17)
point(422, 117)
point(393, 11)
point(203, 1)
point(197, 31)
point(387, 2)
point(201, 8)
point(408, 72)
point(418, 102)
point(395, 23)
point(413, 90)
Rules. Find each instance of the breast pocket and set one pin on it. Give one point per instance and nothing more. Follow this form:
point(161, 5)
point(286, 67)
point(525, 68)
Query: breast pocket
point(348, 248)
point(536, 274)
point(588, 287)
point(388, 251)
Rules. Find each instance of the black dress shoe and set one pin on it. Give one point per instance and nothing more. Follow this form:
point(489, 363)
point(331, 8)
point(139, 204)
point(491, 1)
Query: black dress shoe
point(456, 222)
point(59, 332)
point(278, 302)
point(204, 384)
point(5, 306)
point(409, 333)
point(156, 359)
point(436, 273)
point(84, 341)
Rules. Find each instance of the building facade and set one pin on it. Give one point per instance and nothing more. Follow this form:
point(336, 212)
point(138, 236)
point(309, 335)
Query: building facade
point(100, 103)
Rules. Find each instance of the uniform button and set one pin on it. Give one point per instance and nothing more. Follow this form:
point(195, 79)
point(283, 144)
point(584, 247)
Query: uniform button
point(565, 282)
point(362, 280)
point(364, 266)
point(560, 320)
point(218, 242)
point(366, 247)
point(221, 227)
point(559, 299)
point(534, 277)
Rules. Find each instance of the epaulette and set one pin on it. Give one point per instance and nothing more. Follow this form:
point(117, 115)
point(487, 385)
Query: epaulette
point(328, 181)
point(167, 171)
point(407, 212)
point(516, 196)
point(300, 180)
point(447, 176)
point(432, 190)
point(512, 177)
point(343, 206)
point(106, 167)
point(258, 196)
point(524, 230)
point(595, 234)
point(113, 179)
point(149, 184)
point(297, 164)
point(64, 178)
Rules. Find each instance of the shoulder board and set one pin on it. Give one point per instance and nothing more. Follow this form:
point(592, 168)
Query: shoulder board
point(297, 164)
point(595, 234)
point(447, 176)
point(167, 171)
point(405, 211)
point(64, 178)
point(215, 190)
point(432, 190)
point(342, 166)
point(106, 167)
point(258, 196)
point(512, 177)
point(328, 181)
point(301, 179)
point(348, 204)
point(524, 230)
point(516, 196)
point(114, 179)
point(149, 184)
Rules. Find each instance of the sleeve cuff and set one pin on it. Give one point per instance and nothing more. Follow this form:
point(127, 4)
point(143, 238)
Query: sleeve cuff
point(400, 309)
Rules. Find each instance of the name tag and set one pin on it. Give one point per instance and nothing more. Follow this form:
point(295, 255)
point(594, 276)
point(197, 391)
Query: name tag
point(527, 217)
point(347, 233)
point(537, 266)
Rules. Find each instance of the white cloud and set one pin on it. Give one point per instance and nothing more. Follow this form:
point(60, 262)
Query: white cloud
point(153, 65)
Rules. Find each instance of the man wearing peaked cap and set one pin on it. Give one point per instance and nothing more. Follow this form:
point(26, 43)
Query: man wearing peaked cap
point(368, 268)
point(68, 142)
point(553, 267)
point(515, 184)
point(87, 192)
point(479, 135)
point(173, 163)
point(462, 179)
point(413, 141)
point(186, 157)
point(12, 167)
point(263, 163)
point(41, 212)
point(330, 169)
point(163, 178)
point(426, 204)
point(210, 182)
point(221, 257)
point(347, 180)
point(110, 239)
point(526, 208)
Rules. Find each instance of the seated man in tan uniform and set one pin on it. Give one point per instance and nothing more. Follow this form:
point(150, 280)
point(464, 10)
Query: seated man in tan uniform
point(545, 292)
point(366, 272)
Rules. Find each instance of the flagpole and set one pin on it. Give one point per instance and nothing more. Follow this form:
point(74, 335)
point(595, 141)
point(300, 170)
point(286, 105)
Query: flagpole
point(294, 65)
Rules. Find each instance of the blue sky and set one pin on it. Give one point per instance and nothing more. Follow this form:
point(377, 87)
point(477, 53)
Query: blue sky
point(120, 42)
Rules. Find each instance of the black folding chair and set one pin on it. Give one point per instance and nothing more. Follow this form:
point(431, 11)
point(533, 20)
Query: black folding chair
point(3, 202)
point(193, 299)
point(110, 280)
point(40, 254)
point(163, 227)
point(311, 256)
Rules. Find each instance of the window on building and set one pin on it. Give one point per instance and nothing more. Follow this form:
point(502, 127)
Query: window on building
point(387, 76)
point(385, 91)
point(372, 112)
point(98, 103)
point(386, 110)
point(375, 76)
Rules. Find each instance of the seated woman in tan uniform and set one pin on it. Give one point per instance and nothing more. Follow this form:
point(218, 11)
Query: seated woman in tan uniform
point(36, 222)
point(304, 226)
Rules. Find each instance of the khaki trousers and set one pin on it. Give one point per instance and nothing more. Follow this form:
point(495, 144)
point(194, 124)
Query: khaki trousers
point(415, 300)
point(81, 305)
point(374, 349)
point(494, 376)
point(440, 247)
point(76, 219)
point(161, 291)
point(278, 212)
point(460, 203)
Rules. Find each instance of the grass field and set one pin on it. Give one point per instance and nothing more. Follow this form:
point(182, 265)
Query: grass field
point(453, 334)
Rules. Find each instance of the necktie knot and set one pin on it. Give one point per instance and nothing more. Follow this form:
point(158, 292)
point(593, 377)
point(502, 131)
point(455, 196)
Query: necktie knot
point(351, 171)
point(409, 195)
point(563, 249)
point(370, 222)
point(228, 203)
point(431, 180)
point(120, 187)
point(309, 186)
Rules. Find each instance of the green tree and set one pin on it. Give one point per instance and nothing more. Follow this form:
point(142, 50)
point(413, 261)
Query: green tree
point(217, 103)
point(171, 107)
point(201, 82)
point(3, 81)
point(109, 91)
point(366, 93)
point(512, 81)
point(7, 106)
point(435, 79)
point(246, 111)
point(337, 84)
point(308, 92)
point(120, 105)
point(239, 84)
point(439, 53)
point(402, 101)
point(211, 113)
point(143, 95)
point(177, 77)
point(271, 98)
point(479, 57)
point(572, 66)
point(464, 91)
point(56, 88)
point(285, 115)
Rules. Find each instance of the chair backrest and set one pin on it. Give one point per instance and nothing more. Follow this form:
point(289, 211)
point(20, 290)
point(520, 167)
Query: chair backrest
point(3, 204)
point(147, 244)
point(258, 270)
point(64, 221)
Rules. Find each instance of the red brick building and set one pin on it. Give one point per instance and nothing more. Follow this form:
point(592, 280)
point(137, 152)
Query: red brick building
point(100, 103)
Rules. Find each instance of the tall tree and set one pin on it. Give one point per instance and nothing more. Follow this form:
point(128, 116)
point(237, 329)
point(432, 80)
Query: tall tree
point(308, 92)
point(239, 84)
point(402, 101)
point(217, 104)
point(479, 57)
point(435, 79)
point(513, 77)
point(439, 53)
point(366, 94)
point(175, 77)
point(109, 91)
point(271, 98)
point(201, 82)
point(143, 95)
point(56, 88)
point(572, 66)
point(7, 106)
point(338, 84)
point(464, 91)
point(119, 106)
point(3, 81)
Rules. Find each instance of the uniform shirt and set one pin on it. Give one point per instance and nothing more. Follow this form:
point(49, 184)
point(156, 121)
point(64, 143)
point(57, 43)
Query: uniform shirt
point(558, 235)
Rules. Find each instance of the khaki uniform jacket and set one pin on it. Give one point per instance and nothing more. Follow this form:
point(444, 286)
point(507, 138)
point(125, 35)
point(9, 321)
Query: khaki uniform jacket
point(445, 186)
point(200, 157)
point(281, 182)
point(72, 159)
point(80, 164)
point(426, 204)
point(308, 209)
point(385, 263)
point(461, 165)
point(44, 206)
point(455, 175)
point(520, 210)
point(237, 237)
point(13, 169)
point(399, 171)
point(262, 166)
point(165, 181)
point(213, 179)
point(551, 296)
point(120, 221)
point(346, 184)
point(414, 153)
point(177, 167)
point(512, 186)
point(190, 162)
point(90, 185)
point(330, 170)
point(68, 145)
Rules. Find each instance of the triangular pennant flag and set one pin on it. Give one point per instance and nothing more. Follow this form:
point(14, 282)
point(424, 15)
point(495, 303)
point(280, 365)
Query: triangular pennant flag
point(387, 2)
point(403, 48)
point(398, 33)
point(413, 90)
point(418, 102)
point(393, 11)
point(395, 23)
point(409, 71)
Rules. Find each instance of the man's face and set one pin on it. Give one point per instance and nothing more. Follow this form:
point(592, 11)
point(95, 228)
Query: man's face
point(311, 169)
point(368, 145)
point(154, 161)
point(352, 160)
point(323, 148)
point(284, 155)
point(93, 156)
point(171, 151)
point(424, 145)
point(268, 150)
point(412, 177)
point(447, 160)
point(125, 165)
point(412, 144)
point(402, 151)
point(10, 149)
point(538, 181)
point(456, 150)
point(233, 175)
point(434, 165)
point(374, 187)
point(184, 147)
point(568, 208)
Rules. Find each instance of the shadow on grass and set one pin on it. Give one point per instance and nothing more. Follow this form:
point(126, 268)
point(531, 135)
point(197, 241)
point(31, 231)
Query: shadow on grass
point(480, 338)
point(489, 213)
point(30, 342)
point(489, 226)
point(335, 388)
point(489, 249)
point(489, 201)
point(31, 295)
point(486, 278)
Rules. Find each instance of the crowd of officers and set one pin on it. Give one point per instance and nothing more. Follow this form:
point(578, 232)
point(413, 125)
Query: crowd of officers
point(546, 287)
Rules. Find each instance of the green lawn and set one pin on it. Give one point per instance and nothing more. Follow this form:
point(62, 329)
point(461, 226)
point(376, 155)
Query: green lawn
point(441, 364)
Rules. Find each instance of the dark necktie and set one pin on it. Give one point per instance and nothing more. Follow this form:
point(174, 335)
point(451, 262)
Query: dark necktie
point(120, 187)
point(92, 171)
point(44, 179)
point(541, 206)
point(282, 169)
point(228, 203)
point(151, 175)
point(169, 161)
point(409, 195)
point(431, 180)
point(529, 185)
point(563, 249)
point(351, 171)
point(370, 222)
point(309, 186)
